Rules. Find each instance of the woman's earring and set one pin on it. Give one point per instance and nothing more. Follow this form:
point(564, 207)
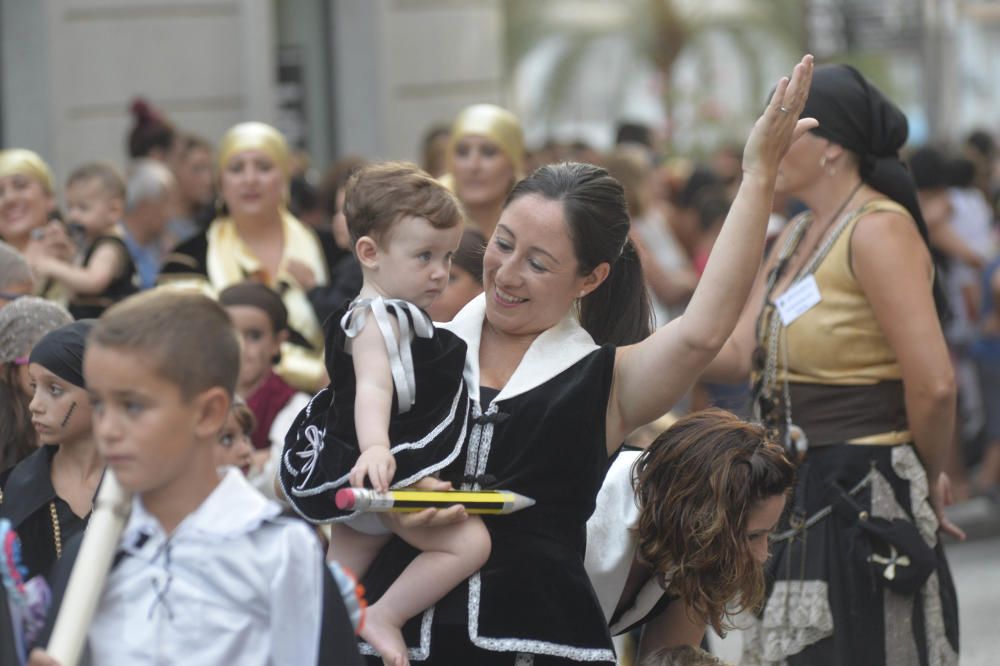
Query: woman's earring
point(831, 170)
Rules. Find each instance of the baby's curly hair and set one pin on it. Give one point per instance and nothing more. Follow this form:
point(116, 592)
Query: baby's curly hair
point(696, 485)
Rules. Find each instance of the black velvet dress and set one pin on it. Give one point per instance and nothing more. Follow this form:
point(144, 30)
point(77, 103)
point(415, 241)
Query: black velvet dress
point(322, 446)
point(542, 436)
point(42, 520)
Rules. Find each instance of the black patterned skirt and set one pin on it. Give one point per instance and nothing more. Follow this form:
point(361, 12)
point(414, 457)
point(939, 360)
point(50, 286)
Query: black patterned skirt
point(863, 580)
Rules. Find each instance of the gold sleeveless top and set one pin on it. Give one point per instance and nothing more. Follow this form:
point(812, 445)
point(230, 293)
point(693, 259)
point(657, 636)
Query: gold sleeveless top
point(838, 341)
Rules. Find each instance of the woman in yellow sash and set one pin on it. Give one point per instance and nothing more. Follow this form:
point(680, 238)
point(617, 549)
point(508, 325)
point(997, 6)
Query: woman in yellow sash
point(254, 237)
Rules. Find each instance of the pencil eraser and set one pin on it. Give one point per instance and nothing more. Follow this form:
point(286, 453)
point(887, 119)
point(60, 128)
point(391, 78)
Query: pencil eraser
point(345, 499)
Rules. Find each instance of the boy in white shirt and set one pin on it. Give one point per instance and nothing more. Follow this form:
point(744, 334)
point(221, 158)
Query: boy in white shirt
point(207, 572)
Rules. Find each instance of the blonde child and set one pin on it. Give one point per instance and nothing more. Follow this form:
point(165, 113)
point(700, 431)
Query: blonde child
point(397, 406)
point(104, 273)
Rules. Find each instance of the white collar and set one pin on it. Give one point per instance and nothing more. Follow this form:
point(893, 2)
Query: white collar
point(555, 350)
point(232, 509)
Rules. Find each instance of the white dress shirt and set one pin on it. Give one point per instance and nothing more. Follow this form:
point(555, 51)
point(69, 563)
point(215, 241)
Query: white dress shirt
point(233, 584)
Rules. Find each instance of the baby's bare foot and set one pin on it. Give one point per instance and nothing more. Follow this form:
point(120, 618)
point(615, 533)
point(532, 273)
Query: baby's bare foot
point(385, 637)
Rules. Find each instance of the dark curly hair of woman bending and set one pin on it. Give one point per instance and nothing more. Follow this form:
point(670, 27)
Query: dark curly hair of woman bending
point(697, 485)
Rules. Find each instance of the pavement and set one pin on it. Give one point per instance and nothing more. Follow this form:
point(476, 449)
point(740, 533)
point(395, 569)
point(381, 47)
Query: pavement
point(979, 517)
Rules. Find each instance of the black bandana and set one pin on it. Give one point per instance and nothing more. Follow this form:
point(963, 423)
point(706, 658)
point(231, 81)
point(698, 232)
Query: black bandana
point(61, 351)
point(856, 115)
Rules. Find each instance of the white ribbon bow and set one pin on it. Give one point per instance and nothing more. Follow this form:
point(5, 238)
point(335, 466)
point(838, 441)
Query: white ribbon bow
point(400, 354)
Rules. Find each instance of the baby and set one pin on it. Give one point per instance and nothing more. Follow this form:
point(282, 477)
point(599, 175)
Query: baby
point(396, 407)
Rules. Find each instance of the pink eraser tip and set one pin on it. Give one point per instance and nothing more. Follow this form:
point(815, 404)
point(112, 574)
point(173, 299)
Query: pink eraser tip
point(345, 499)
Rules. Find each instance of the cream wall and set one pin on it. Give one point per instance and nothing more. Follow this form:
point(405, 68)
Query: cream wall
point(73, 67)
point(387, 70)
point(403, 65)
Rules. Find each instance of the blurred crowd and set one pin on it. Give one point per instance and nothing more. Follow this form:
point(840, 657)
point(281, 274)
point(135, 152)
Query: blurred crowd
point(174, 187)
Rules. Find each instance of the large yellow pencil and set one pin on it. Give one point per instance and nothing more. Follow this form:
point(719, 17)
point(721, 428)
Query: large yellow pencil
point(410, 501)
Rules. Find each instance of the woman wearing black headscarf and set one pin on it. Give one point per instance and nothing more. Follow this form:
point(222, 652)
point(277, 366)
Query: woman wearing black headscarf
point(851, 371)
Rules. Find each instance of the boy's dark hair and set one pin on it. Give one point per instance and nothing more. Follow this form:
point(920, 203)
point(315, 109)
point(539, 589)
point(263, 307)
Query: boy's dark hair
point(186, 336)
point(379, 195)
point(105, 174)
point(260, 296)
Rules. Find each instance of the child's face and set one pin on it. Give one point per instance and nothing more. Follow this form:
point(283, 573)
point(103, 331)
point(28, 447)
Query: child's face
point(194, 176)
point(412, 261)
point(234, 447)
point(90, 206)
point(147, 432)
point(461, 289)
point(341, 235)
point(60, 410)
point(259, 345)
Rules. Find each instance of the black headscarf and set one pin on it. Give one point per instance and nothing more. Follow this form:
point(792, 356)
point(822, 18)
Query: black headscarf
point(855, 114)
point(61, 351)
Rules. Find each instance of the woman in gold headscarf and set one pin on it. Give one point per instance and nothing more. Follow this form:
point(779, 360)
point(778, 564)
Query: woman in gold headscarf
point(27, 204)
point(485, 159)
point(26, 196)
point(254, 237)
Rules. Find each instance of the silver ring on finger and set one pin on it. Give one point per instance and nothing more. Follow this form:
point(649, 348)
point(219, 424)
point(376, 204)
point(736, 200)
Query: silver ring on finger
point(783, 109)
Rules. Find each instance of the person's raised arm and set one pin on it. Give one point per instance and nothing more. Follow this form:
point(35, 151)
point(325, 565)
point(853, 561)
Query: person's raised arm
point(893, 267)
point(652, 375)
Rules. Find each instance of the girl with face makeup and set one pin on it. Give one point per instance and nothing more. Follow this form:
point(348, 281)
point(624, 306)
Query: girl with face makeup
point(47, 497)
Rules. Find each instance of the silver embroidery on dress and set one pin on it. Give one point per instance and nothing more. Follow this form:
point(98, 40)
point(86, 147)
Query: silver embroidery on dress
point(524, 644)
point(939, 650)
point(796, 615)
point(897, 609)
point(907, 466)
point(524, 659)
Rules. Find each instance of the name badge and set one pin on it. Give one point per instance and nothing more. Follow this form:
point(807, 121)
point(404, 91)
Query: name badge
point(800, 298)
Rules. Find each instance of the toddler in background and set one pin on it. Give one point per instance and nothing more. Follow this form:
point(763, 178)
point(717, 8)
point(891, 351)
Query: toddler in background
point(234, 449)
point(104, 273)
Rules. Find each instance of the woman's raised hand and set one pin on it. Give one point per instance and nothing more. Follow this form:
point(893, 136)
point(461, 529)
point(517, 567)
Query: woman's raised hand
point(780, 124)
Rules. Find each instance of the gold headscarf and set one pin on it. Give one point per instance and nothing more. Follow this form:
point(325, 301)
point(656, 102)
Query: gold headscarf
point(255, 136)
point(27, 163)
point(496, 124)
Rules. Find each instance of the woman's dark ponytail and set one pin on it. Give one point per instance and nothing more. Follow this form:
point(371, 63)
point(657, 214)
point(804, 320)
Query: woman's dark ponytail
point(617, 312)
